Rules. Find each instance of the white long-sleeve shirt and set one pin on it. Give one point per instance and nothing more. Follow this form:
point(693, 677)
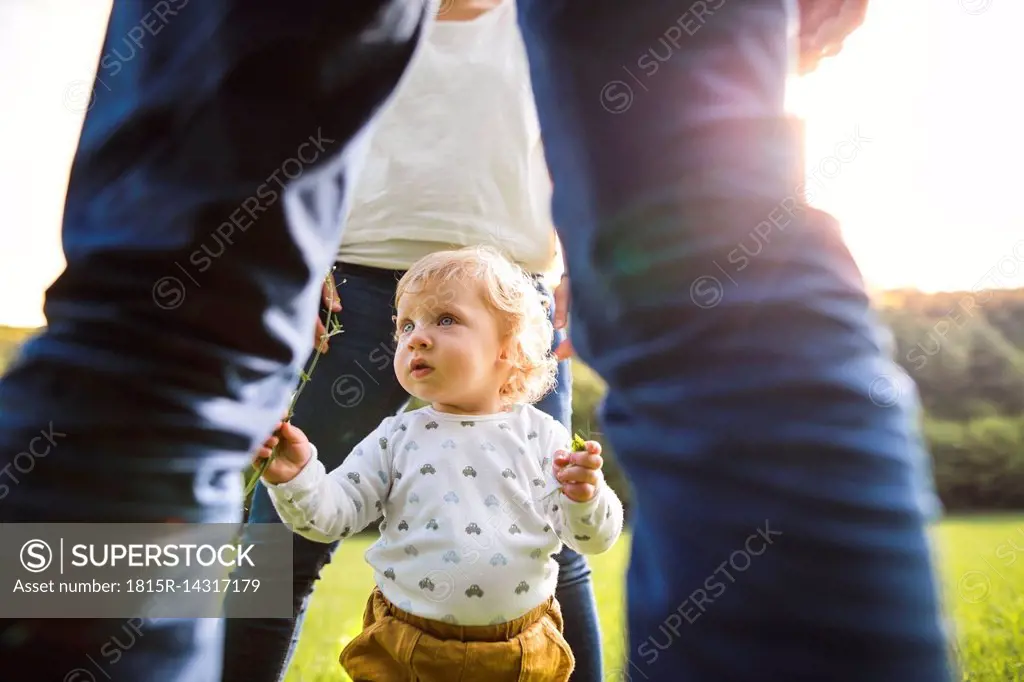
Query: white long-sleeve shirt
point(472, 511)
point(456, 157)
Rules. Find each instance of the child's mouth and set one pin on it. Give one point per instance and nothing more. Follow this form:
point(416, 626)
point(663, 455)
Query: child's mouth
point(419, 369)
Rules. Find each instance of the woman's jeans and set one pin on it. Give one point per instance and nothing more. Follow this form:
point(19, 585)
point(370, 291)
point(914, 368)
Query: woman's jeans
point(353, 388)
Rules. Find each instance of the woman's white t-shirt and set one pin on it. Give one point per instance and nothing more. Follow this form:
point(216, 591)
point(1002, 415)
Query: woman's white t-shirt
point(456, 156)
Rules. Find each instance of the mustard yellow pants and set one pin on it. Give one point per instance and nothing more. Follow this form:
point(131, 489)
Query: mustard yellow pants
point(396, 646)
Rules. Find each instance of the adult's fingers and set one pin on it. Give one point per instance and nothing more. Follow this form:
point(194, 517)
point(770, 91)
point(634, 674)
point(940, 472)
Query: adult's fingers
point(564, 351)
point(561, 304)
point(320, 342)
point(330, 295)
point(825, 26)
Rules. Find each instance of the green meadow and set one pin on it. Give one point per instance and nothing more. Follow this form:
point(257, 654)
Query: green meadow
point(981, 569)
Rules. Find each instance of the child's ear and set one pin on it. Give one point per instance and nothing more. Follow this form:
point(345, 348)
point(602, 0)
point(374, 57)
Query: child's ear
point(507, 350)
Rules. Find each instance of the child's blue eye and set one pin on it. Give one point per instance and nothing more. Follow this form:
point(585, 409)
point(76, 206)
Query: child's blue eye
point(446, 318)
point(407, 327)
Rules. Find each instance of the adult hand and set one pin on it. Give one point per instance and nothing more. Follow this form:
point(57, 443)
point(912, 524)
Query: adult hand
point(824, 27)
point(561, 293)
point(332, 302)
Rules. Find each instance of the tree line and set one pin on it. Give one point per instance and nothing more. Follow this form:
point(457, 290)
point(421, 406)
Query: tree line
point(963, 350)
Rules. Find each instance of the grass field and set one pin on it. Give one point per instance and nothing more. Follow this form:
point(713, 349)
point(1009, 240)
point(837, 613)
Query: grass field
point(982, 575)
point(982, 569)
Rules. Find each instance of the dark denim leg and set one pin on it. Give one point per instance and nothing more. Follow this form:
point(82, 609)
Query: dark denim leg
point(575, 591)
point(779, 529)
point(176, 332)
point(581, 621)
point(352, 389)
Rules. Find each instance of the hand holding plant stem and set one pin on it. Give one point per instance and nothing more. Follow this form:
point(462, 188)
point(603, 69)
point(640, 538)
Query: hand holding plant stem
point(579, 470)
point(578, 444)
point(332, 328)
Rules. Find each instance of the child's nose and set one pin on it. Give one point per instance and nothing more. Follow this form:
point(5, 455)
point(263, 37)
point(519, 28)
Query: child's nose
point(418, 340)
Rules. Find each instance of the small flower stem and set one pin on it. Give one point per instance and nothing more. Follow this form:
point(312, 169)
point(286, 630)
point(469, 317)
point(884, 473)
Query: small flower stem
point(332, 328)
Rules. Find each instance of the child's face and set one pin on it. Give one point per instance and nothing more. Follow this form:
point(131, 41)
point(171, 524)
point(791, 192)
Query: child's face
point(449, 350)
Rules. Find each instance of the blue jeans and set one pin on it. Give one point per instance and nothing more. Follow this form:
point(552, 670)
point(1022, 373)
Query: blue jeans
point(743, 398)
point(353, 388)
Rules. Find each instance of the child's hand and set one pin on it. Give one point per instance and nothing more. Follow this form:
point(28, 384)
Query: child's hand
point(292, 454)
point(580, 472)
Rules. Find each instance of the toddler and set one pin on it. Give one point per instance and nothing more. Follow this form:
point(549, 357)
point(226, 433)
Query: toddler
point(477, 490)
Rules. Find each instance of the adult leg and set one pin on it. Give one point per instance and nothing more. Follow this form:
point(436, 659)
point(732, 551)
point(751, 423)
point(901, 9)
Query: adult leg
point(353, 388)
point(175, 332)
point(779, 529)
point(575, 589)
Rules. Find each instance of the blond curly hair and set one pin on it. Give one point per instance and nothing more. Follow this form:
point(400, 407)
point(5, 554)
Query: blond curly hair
point(510, 293)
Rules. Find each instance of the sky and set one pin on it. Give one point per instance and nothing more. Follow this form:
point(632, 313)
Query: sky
point(929, 197)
